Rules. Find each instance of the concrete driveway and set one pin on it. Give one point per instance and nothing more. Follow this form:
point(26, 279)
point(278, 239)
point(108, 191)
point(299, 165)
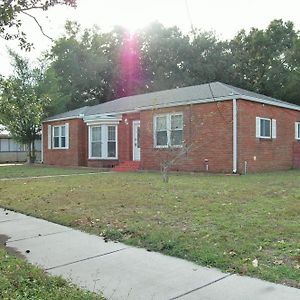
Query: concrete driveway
point(123, 272)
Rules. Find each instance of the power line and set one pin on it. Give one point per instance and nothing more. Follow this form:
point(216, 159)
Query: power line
point(189, 16)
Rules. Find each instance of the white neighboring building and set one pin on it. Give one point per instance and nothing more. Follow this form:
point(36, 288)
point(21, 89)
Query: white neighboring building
point(11, 151)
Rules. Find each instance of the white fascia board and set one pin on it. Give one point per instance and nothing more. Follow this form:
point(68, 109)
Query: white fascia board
point(102, 122)
point(102, 119)
point(270, 102)
point(62, 119)
point(117, 114)
point(196, 101)
point(218, 99)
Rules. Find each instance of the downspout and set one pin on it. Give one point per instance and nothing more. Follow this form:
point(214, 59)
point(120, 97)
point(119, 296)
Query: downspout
point(234, 136)
point(42, 145)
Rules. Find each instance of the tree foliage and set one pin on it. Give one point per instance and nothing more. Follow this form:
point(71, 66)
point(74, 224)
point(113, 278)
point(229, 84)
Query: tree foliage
point(268, 61)
point(92, 67)
point(11, 22)
point(22, 103)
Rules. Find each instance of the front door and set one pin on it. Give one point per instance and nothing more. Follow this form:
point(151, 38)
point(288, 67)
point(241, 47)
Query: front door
point(136, 140)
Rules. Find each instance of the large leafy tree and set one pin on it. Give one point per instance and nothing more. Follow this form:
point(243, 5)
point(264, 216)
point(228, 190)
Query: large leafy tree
point(267, 61)
point(93, 67)
point(11, 12)
point(22, 103)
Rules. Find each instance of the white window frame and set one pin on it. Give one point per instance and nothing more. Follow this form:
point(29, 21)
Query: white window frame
point(273, 128)
point(169, 129)
point(60, 136)
point(104, 141)
point(297, 131)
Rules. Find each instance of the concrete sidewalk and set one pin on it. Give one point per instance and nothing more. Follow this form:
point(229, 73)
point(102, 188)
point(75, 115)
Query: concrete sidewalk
point(123, 272)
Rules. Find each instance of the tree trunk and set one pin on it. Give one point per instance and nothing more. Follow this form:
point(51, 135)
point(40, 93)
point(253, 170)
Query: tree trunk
point(165, 173)
point(31, 153)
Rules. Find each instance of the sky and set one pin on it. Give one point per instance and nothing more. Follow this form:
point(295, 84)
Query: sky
point(225, 18)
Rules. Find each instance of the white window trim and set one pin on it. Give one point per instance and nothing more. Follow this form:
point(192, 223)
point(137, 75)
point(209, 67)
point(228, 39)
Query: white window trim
point(66, 136)
point(168, 115)
point(273, 128)
point(104, 142)
point(297, 131)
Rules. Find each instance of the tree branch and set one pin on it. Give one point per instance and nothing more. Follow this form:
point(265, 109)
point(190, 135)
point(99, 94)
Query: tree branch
point(37, 22)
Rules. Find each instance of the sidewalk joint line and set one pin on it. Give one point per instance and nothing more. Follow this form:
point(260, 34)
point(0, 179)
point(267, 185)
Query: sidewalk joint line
point(201, 287)
point(84, 259)
point(38, 236)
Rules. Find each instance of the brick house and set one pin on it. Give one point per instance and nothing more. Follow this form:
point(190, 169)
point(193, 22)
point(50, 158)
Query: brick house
point(228, 130)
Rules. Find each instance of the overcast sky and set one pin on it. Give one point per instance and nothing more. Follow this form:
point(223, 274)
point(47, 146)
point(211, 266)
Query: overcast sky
point(226, 18)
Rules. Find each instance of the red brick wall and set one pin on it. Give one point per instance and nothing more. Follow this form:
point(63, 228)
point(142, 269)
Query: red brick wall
point(296, 155)
point(265, 154)
point(207, 128)
point(76, 155)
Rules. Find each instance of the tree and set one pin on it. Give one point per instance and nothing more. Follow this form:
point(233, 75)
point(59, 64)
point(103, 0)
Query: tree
point(10, 17)
point(22, 103)
point(90, 67)
point(266, 61)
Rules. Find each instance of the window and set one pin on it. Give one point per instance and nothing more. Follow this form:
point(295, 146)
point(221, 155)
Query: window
point(297, 130)
point(59, 137)
point(168, 130)
point(265, 128)
point(96, 145)
point(103, 142)
point(111, 141)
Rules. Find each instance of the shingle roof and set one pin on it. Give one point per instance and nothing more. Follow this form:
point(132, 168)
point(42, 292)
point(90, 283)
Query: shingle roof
point(69, 114)
point(198, 93)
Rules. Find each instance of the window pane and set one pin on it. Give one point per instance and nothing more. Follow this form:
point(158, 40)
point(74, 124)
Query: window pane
point(56, 142)
point(161, 138)
point(111, 149)
point(96, 134)
point(63, 130)
point(63, 142)
point(4, 145)
point(96, 149)
point(56, 131)
point(138, 145)
point(161, 123)
point(111, 133)
point(176, 122)
point(265, 128)
point(176, 137)
point(299, 131)
point(13, 146)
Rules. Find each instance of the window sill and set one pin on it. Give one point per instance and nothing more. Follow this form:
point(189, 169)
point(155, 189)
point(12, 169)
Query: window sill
point(59, 148)
point(168, 147)
point(102, 158)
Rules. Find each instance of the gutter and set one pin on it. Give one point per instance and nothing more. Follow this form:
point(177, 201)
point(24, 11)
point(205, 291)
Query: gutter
point(234, 136)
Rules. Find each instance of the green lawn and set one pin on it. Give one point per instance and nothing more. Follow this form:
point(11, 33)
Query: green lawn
point(20, 280)
point(39, 170)
point(219, 221)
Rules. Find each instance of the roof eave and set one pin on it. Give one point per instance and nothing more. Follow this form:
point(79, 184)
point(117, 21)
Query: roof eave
point(62, 119)
point(270, 102)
